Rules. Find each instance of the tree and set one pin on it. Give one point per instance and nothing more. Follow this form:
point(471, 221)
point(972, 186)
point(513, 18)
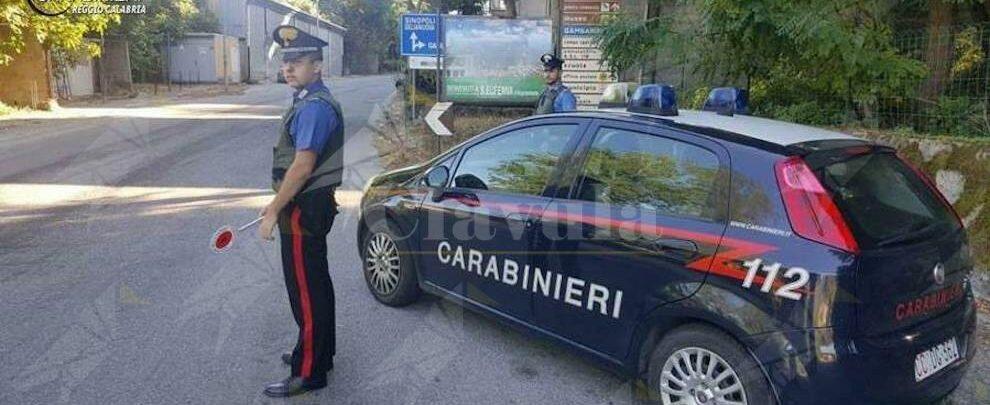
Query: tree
point(371, 32)
point(785, 52)
point(511, 10)
point(463, 7)
point(308, 6)
point(942, 15)
point(165, 20)
point(65, 32)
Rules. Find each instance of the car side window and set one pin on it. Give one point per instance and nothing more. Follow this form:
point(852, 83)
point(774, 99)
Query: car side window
point(643, 171)
point(519, 161)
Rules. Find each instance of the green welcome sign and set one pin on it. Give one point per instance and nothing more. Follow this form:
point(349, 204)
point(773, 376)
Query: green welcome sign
point(494, 61)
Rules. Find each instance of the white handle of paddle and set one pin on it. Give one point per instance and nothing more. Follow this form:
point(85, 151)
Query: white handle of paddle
point(249, 224)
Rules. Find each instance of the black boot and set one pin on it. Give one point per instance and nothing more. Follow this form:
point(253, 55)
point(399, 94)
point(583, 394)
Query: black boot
point(294, 386)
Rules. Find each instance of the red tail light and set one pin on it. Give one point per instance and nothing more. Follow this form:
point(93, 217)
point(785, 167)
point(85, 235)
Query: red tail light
point(931, 186)
point(810, 208)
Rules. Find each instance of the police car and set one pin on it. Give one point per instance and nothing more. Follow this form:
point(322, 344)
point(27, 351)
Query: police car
point(721, 257)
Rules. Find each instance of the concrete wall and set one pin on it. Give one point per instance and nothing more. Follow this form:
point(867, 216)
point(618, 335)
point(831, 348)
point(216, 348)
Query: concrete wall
point(334, 57)
point(254, 20)
point(81, 78)
point(233, 61)
point(116, 60)
point(244, 62)
point(532, 8)
point(25, 82)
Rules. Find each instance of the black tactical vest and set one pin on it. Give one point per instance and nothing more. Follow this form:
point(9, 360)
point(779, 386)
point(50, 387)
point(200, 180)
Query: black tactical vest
point(329, 162)
point(547, 98)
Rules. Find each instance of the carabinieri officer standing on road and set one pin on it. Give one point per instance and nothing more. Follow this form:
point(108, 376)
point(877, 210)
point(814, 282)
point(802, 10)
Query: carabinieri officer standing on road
point(307, 166)
point(555, 97)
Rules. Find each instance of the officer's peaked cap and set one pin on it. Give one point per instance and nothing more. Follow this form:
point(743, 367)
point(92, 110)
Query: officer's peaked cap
point(295, 42)
point(551, 61)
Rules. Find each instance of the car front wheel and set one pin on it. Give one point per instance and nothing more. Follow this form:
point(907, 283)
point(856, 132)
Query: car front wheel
point(388, 269)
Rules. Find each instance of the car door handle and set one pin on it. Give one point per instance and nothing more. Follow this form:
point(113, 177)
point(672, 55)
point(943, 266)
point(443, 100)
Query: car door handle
point(469, 199)
point(521, 217)
point(407, 201)
point(679, 245)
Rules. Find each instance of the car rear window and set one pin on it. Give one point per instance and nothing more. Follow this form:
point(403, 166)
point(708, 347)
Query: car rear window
point(884, 201)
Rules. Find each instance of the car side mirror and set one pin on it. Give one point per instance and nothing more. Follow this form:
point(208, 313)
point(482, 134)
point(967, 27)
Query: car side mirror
point(437, 177)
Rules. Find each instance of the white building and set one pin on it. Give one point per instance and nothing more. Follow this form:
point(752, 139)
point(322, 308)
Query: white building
point(254, 20)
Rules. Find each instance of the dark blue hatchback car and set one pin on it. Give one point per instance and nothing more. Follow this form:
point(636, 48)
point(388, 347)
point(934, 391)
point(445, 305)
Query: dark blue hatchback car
point(720, 257)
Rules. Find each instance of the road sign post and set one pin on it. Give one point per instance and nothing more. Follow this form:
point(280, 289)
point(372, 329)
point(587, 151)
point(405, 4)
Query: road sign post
point(421, 36)
point(439, 77)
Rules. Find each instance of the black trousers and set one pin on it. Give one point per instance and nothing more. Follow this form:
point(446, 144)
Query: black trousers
point(304, 224)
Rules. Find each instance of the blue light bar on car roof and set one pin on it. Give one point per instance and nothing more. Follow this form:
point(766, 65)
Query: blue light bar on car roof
point(727, 101)
point(617, 95)
point(657, 99)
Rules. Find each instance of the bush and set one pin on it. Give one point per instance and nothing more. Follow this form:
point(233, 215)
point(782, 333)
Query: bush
point(959, 116)
point(402, 141)
point(807, 112)
point(698, 97)
point(6, 109)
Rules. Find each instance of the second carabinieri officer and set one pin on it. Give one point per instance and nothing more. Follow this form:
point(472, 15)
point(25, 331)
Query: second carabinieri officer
point(556, 97)
point(307, 166)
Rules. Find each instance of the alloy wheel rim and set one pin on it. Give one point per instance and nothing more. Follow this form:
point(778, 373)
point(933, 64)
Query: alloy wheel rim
point(696, 376)
point(382, 263)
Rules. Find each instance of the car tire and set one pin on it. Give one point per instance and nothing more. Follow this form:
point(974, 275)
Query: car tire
point(726, 369)
point(387, 265)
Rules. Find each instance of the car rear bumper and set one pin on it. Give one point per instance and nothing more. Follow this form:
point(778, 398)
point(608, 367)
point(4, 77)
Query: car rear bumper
point(821, 366)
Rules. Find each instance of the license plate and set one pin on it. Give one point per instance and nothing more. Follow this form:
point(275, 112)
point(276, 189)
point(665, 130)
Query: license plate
point(932, 360)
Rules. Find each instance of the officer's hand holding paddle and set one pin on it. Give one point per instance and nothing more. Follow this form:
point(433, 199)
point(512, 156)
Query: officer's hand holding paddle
point(268, 221)
point(295, 177)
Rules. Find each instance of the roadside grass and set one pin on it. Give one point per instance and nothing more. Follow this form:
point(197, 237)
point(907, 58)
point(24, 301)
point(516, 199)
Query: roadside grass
point(401, 143)
point(186, 90)
point(908, 133)
point(8, 109)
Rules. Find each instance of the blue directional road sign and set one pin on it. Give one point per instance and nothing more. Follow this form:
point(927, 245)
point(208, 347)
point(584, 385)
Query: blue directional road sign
point(420, 34)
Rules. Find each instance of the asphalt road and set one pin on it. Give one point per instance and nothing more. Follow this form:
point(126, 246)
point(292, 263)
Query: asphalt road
point(109, 292)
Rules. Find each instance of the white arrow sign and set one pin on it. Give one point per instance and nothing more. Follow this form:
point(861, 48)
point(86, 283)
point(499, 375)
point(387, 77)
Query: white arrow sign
point(416, 44)
point(433, 119)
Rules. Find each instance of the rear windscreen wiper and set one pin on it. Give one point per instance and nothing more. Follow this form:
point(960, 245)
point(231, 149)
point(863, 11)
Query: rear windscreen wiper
point(914, 233)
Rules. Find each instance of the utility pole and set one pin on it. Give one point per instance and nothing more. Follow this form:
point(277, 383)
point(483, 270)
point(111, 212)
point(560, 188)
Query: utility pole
point(247, 19)
point(327, 62)
point(224, 49)
point(168, 37)
point(104, 83)
point(440, 47)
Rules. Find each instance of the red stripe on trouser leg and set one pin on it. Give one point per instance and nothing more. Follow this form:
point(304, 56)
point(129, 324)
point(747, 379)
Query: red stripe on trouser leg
point(307, 312)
